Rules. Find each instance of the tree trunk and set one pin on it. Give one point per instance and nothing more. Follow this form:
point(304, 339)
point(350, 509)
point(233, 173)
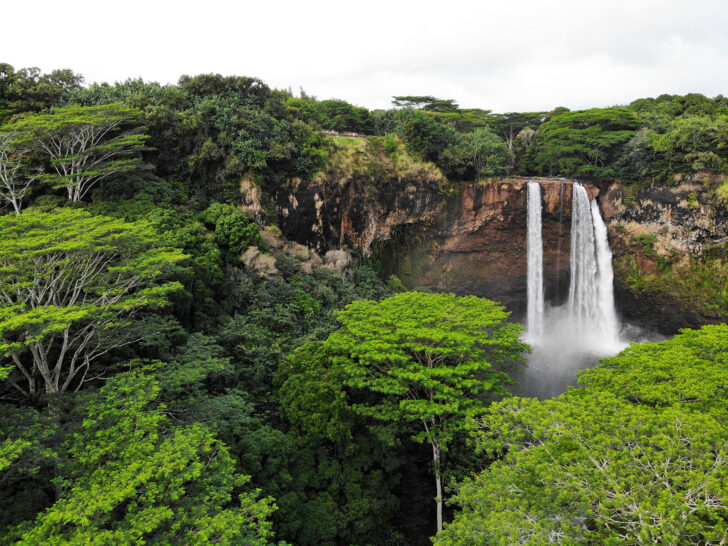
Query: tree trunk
point(438, 484)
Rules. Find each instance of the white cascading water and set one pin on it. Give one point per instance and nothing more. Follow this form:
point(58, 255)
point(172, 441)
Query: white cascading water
point(591, 298)
point(535, 298)
point(607, 313)
point(583, 263)
point(574, 336)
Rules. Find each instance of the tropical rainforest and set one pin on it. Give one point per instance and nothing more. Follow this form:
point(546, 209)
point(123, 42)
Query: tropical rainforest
point(174, 371)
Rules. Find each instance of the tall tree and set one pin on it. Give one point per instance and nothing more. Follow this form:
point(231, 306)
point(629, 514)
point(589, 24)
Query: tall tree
point(637, 455)
point(85, 144)
point(431, 357)
point(16, 178)
point(73, 287)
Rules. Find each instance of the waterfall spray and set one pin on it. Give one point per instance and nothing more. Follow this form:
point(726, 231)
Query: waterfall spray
point(535, 297)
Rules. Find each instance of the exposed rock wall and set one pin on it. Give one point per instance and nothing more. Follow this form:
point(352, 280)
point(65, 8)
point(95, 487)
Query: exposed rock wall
point(471, 239)
point(660, 238)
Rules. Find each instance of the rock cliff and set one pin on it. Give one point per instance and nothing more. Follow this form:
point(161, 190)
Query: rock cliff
point(470, 238)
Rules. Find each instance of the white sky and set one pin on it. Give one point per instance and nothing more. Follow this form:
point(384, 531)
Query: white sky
point(512, 55)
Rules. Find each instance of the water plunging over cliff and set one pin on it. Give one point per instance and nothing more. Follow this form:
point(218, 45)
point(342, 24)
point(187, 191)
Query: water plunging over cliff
point(591, 298)
point(535, 299)
point(573, 336)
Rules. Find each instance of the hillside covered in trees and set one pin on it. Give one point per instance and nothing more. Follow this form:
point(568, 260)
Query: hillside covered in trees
point(173, 370)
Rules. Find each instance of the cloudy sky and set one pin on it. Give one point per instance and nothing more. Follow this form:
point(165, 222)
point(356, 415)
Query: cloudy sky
point(512, 55)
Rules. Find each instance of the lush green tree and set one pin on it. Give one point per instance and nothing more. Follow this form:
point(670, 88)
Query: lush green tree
point(425, 102)
point(594, 469)
point(477, 155)
point(134, 477)
point(637, 455)
point(28, 90)
point(583, 143)
point(16, 176)
point(431, 357)
point(85, 145)
point(73, 288)
point(508, 125)
point(690, 370)
point(234, 229)
point(425, 135)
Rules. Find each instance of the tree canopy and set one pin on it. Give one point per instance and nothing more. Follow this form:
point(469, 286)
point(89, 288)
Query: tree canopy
point(638, 454)
point(73, 287)
point(430, 357)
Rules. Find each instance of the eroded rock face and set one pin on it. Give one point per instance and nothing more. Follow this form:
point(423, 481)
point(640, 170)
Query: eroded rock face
point(470, 240)
point(478, 246)
point(354, 213)
point(658, 226)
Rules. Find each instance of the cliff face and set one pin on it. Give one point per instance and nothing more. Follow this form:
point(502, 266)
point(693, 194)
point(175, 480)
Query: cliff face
point(478, 245)
point(669, 247)
point(471, 239)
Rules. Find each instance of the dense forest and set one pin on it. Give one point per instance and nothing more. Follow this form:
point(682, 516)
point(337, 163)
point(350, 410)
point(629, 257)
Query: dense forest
point(174, 371)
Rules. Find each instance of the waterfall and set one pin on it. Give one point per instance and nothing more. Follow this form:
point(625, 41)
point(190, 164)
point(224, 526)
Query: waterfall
point(535, 298)
point(573, 336)
point(591, 298)
point(607, 314)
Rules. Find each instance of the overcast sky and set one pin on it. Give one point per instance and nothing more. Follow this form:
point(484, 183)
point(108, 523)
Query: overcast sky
point(504, 56)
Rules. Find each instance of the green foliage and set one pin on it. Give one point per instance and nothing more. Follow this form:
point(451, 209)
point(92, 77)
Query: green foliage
point(73, 287)
point(235, 230)
point(477, 155)
point(27, 90)
point(582, 144)
point(596, 470)
point(638, 454)
point(332, 115)
point(84, 145)
point(430, 355)
point(425, 135)
point(132, 477)
point(430, 358)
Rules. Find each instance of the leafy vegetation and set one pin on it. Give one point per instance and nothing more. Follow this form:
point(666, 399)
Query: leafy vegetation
point(172, 370)
point(636, 455)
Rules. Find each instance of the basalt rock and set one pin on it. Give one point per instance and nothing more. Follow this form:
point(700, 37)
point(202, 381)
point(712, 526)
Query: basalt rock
point(470, 238)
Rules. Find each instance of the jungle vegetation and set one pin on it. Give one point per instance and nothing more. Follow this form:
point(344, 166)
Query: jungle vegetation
point(156, 389)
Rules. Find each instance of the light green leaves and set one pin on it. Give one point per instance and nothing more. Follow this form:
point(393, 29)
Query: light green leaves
point(72, 286)
point(638, 455)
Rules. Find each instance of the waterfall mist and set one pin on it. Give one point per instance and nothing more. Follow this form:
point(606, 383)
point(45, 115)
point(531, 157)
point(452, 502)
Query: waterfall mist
point(573, 336)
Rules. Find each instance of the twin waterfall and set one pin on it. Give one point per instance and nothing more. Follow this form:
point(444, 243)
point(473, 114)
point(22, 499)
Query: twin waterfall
point(590, 315)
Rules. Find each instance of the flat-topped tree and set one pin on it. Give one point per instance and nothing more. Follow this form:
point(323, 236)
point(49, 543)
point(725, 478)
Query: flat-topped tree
point(72, 288)
point(432, 358)
point(85, 144)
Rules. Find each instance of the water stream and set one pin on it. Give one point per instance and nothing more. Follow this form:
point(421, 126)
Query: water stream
point(535, 298)
point(573, 336)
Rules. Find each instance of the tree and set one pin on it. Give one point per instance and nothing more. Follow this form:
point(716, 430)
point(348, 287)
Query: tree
point(425, 135)
point(593, 469)
point(637, 455)
point(477, 155)
point(27, 90)
point(133, 476)
point(15, 176)
point(431, 357)
point(73, 287)
point(425, 102)
point(85, 144)
point(510, 124)
point(582, 143)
